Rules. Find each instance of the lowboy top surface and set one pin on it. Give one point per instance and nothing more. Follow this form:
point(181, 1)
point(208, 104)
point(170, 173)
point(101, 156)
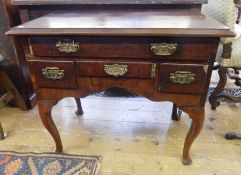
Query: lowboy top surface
point(51, 2)
point(119, 22)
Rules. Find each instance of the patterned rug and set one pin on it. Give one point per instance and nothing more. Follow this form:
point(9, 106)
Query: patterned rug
point(235, 92)
point(47, 164)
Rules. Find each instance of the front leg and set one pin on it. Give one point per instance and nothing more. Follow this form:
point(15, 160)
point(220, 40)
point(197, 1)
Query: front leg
point(197, 115)
point(45, 107)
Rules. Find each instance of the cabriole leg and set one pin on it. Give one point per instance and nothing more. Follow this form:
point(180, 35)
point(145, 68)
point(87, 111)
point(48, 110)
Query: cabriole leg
point(45, 107)
point(197, 115)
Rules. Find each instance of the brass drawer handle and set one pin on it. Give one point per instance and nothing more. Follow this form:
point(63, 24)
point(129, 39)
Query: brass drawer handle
point(182, 77)
point(116, 70)
point(163, 49)
point(53, 73)
point(67, 46)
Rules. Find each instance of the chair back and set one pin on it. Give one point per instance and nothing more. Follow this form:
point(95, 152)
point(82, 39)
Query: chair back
point(223, 11)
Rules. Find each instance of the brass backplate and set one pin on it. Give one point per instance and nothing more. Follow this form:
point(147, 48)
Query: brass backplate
point(182, 77)
point(67, 46)
point(116, 70)
point(53, 73)
point(163, 49)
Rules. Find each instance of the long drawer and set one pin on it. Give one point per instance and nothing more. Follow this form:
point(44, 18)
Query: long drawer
point(123, 47)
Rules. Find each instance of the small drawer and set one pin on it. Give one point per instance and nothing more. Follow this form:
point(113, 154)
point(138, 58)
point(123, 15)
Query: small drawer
point(123, 47)
point(182, 78)
point(144, 70)
point(54, 74)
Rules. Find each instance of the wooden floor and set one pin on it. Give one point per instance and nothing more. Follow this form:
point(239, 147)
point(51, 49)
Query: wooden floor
point(134, 136)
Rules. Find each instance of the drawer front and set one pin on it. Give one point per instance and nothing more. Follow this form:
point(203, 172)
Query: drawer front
point(54, 74)
point(124, 47)
point(144, 70)
point(182, 78)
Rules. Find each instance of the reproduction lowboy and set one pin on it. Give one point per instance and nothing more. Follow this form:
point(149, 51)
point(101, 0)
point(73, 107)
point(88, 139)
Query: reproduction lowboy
point(150, 50)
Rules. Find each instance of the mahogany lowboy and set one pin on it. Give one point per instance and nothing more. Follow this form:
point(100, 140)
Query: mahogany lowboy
point(153, 57)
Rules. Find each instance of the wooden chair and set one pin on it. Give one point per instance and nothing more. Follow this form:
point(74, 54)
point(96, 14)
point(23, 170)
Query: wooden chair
point(230, 59)
point(11, 93)
point(225, 11)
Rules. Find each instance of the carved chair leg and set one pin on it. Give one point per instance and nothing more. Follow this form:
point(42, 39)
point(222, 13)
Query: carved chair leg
point(197, 115)
point(176, 113)
point(218, 92)
point(79, 107)
point(45, 107)
point(213, 99)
